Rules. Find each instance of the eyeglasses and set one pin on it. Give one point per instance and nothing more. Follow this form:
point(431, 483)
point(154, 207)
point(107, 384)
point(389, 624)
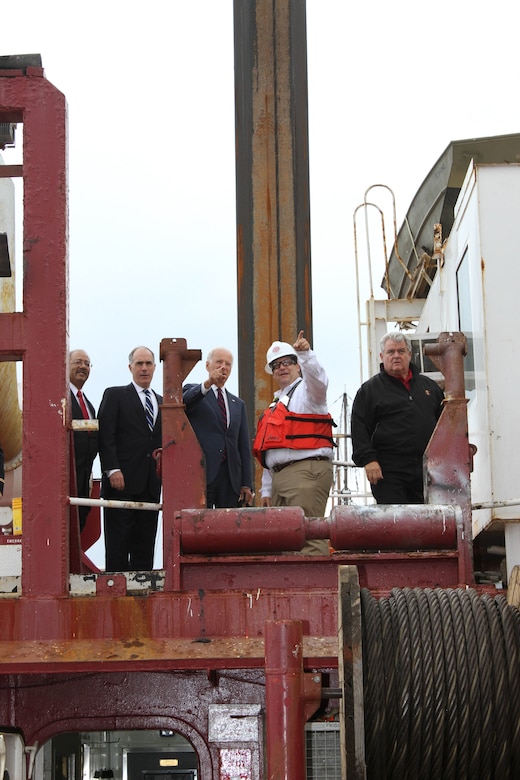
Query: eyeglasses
point(276, 364)
point(86, 363)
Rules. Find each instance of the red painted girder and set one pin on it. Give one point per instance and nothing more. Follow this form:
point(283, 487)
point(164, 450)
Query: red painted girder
point(291, 697)
point(381, 569)
point(45, 559)
point(193, 614)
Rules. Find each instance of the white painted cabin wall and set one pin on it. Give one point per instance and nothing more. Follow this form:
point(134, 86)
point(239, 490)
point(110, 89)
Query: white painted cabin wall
point(487, 227)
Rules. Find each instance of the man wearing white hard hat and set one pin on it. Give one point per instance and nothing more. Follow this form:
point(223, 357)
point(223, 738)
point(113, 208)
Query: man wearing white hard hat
point(294, 436)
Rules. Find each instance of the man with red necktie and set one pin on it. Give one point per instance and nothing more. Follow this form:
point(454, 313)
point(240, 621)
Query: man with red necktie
point(85, 442)
point(219, 420)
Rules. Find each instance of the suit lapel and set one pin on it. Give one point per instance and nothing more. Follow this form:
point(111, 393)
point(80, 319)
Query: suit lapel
point(77, 413)
point(138, 404)
point(90, 406)
point(232, 408)
point(158, 418)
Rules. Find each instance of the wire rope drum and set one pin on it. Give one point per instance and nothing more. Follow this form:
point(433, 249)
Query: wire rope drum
point(441, 685)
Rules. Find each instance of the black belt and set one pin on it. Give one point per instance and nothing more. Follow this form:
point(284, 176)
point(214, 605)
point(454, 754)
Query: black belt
point(279, 466)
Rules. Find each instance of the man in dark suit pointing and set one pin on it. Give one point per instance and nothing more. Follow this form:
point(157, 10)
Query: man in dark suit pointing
point(85, 442)
point(129, 432)
point(219, 421)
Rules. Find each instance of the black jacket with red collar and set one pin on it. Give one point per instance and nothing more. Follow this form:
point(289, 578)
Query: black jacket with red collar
point(391, 424)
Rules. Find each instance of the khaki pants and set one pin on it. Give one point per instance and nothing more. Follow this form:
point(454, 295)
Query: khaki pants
point(307, 484)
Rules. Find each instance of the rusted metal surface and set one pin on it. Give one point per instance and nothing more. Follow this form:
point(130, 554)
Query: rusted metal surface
point(378, 571)
point(183, 474)
point(448, 457)
point(161, 658)
point(365, 528)
point(404, 527)
point(272, 529)
point(190, 614)
point(42, 109)
point(10, 413)
point(144, 654)
point(130, 700)
point(291, 697)
point(272, 173)
point(448, 355)
point(9, 171)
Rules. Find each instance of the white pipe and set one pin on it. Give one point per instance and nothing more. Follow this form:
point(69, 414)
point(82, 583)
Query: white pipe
point(112, 503)
point(493, 504)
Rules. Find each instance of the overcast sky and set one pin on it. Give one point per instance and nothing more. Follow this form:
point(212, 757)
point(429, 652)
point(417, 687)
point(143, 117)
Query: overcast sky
point(150, 91)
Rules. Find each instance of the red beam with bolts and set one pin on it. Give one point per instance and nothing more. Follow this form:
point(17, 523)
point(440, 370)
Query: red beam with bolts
point(182, 460)
point(42, 331)
point(447, 478)
point(291, 697)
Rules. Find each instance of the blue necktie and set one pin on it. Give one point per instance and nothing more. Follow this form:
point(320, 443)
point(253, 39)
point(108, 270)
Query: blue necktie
point(148, 408)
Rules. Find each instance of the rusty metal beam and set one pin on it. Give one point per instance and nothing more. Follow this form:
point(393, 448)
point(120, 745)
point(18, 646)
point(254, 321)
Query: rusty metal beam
point(184, 480)
point(143, 654)
point(447, 479)
point(42, 329)
point(10, 171)
point(272, 185)
point(291, 697)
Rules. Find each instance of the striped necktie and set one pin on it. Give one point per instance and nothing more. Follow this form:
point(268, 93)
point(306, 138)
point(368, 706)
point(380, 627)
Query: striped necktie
point(148, 408)
point(222, 406)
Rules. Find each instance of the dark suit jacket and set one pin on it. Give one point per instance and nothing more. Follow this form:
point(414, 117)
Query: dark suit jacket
point(206, 420)
point(85, 447)
point(126, 443)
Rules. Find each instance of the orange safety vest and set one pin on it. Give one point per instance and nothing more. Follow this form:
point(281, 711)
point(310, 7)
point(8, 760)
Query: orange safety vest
point(278, 427)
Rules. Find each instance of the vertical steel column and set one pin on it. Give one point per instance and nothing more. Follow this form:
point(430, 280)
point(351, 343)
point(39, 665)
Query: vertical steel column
point(272, 185)
point(39, 336)
point(351, 674)
point(291, 696)
point(183, 475)
point(447, 479)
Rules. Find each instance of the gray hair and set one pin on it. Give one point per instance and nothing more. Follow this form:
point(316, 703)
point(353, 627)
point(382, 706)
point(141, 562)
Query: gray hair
point(209, 357)
point(132, 353)
point(396, 336)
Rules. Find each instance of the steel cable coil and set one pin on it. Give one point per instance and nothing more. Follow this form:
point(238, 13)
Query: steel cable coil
point(441, 685)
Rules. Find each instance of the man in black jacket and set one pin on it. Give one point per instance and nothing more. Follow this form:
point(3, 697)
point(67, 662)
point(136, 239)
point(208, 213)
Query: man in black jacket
point(393, 417)
point(129, 432)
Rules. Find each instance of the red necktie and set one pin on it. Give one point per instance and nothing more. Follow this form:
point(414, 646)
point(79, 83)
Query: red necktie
point(222, 406)
point(83, 405)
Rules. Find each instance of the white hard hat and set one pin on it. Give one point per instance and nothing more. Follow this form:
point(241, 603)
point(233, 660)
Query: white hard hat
point(278, 349)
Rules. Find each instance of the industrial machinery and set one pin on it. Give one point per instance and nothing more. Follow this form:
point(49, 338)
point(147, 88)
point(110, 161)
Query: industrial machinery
point(239, 641)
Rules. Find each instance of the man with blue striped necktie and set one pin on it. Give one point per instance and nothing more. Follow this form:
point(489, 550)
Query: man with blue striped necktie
point(129, 432)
